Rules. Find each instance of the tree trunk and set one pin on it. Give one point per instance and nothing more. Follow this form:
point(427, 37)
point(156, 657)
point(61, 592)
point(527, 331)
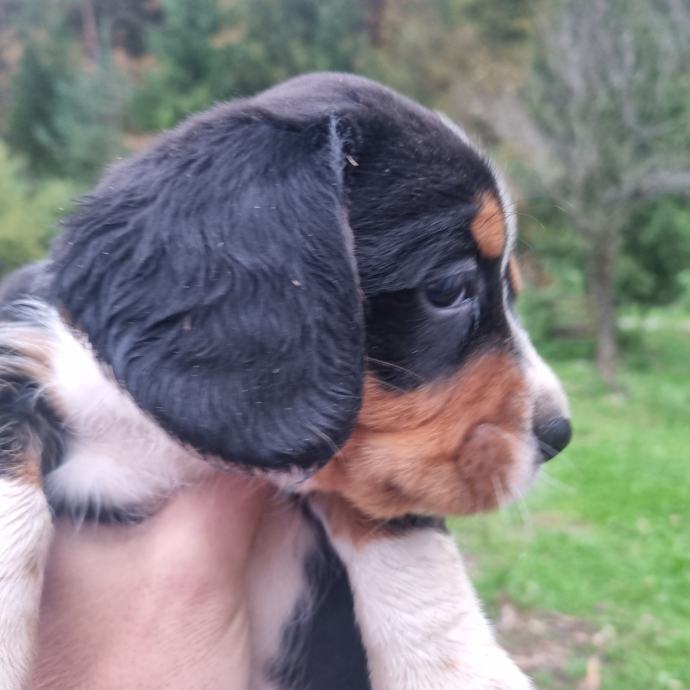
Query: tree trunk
point(375, 10)
point(601, 270)
point(89, 30)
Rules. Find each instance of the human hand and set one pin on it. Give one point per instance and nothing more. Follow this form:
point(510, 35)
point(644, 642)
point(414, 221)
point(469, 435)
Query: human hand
point(155, 605)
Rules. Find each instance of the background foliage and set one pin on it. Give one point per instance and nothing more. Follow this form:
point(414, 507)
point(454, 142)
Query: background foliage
point(586, 105)
point(571, 113)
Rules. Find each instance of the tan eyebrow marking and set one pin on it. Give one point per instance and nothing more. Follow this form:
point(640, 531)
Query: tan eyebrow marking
point(488, 227)
point(515, 275)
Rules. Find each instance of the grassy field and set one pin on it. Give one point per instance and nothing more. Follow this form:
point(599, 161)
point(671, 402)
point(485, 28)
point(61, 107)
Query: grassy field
point(588, 580)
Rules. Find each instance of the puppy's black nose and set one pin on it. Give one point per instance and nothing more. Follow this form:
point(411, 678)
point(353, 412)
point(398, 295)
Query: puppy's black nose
point(553, 435)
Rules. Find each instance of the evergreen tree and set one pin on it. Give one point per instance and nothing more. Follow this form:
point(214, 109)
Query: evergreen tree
point(27, 212)
point(655, 251)
point(64, 117)
point(189, 65)
point(282, 38)
point(207, 53)
point(88, 120)
point(32, 131)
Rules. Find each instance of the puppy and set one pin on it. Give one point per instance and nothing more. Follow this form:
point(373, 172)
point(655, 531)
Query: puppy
point(316, 284)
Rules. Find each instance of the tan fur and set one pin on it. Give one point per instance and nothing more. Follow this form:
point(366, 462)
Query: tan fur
point(447, 448)
point(515, 275)
point(31, 356)
point(28, 466)
point(23, 463)
point(488, 227)
point(32, 352)
point(347, 522)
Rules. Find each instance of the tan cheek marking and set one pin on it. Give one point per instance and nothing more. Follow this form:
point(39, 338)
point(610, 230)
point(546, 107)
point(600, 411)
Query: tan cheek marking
point(442, 449)
point(515, 275)
point(488, 227)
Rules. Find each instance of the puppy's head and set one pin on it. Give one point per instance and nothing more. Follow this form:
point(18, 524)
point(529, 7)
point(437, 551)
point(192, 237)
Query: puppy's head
point(322, 272)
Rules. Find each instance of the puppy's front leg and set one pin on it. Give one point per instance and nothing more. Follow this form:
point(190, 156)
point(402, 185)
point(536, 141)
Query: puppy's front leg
point(421, 622)
point(25, 530)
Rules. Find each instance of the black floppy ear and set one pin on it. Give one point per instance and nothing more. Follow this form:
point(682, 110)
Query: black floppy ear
point(215, 275)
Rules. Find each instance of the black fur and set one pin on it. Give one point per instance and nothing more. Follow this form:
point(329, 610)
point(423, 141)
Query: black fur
point(32, 280)
point(102, 514)
point(27, 423)
point(413, 522)
point(322, 647)
point(216, 274)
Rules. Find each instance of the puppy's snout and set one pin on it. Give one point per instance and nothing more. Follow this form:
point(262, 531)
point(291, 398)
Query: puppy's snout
point(553, 435)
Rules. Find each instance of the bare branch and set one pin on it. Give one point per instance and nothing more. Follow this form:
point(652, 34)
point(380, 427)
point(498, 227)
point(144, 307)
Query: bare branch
point(650, 186)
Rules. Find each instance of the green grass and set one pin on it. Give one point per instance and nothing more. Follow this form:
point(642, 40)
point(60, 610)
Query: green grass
point(605, 536)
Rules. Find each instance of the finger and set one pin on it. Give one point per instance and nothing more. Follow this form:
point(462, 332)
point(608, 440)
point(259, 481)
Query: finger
point(214, 520)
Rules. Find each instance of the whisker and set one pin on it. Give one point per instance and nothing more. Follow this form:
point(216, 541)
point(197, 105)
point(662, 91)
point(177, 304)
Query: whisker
point(376, 527)
point(500, 496)
point(397, 367)
point(566, 460)
point(550, 481)
point(523, 508)
point(336, 451)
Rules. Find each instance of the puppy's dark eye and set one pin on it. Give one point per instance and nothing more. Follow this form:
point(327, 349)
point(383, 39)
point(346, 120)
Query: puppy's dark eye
point(450, 291)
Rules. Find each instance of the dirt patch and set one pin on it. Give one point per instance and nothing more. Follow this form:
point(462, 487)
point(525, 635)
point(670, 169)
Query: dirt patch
point(560, 652)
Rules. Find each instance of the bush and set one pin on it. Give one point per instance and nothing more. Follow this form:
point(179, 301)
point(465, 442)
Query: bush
point(27, 215)
point(656, 250)
point(34, 96)
point(65, 121)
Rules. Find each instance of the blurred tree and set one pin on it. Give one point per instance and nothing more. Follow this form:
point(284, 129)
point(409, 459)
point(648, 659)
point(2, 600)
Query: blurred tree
point(208, 52)
point(606, 119)
point(27, 214)
point(499, 21)
point(411, 47)
point(282, 38)
point(188, 73)
point(655, 252)
point(31, 129)
point(65, 124)
point(128, 22)
point(65, 102)
point(610, 123)
point(456, 55)
point(88, 119)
